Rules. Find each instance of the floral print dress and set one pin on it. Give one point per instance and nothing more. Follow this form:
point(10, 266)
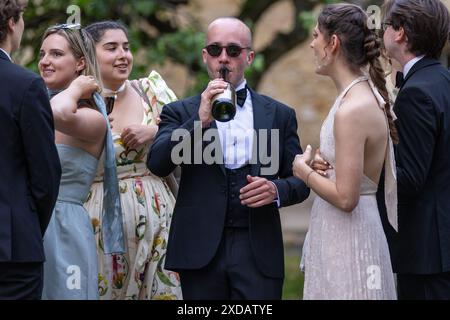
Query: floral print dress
point(147, 207)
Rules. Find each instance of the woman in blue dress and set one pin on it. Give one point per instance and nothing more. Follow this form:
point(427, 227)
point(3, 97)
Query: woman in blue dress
point(68, 66)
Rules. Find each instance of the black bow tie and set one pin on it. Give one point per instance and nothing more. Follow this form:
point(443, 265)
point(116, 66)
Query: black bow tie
point(399, 79)
point(241, 96)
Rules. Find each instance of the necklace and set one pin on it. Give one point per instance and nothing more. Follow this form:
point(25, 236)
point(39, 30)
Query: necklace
point(111, 93)
point(111, 96)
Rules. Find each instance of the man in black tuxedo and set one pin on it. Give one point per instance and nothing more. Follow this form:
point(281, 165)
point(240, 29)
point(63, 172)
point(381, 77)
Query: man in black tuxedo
point(225, 238)
point(29, 165)
point(415, 34)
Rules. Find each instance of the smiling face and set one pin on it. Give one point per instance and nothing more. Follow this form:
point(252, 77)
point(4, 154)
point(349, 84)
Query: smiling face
point(115, 58)
point(57, 64)
point(224, 32)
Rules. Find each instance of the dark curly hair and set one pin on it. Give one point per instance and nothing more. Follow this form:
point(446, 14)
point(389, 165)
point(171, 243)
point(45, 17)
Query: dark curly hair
point(359, 44)
point(9, 9)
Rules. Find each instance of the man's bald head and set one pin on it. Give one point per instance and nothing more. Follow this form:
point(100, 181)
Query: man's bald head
point(233, 25)
point(228, 33)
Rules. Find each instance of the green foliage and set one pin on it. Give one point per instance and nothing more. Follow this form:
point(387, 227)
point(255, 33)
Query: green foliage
point(164, 41)
point(184, 45)
point(258, 66)
point(294, 278)
point(156, 34)
point(307, 19)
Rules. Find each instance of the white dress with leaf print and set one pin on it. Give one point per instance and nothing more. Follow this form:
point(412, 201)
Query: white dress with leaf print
point(147, 207)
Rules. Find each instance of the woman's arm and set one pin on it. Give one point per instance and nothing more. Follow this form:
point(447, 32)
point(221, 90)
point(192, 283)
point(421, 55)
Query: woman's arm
point(350, 136)
point(82, 123)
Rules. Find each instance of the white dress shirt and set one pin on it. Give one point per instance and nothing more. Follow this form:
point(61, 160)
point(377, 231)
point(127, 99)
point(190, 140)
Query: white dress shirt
point(410, 64)
point(236, 136)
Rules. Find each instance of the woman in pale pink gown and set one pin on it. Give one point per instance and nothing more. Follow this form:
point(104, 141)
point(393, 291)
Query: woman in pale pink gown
point(346, 255)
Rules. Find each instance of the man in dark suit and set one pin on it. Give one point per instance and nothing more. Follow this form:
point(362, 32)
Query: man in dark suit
point(225, 238)
point(29, 165)
point(415, 34)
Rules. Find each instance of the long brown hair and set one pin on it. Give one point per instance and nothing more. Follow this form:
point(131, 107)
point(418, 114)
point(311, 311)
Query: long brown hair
point(360, 46)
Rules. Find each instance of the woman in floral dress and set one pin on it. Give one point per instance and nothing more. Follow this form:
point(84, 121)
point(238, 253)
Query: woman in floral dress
point(147, 201)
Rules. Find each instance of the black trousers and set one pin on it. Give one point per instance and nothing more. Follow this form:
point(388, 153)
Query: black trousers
point(21, 281)
point(232, 274)
point(424, 287)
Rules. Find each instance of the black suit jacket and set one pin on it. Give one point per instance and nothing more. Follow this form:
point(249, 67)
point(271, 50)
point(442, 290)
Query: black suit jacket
point(29, 164)
point(422, 245)
point(199, 215)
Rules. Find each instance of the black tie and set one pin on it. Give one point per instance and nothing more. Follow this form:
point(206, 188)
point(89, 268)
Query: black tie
point(399, 79)
point(241, 96)
point(109, 101)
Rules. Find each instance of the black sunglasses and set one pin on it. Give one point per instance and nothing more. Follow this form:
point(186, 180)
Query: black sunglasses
point(233, 50)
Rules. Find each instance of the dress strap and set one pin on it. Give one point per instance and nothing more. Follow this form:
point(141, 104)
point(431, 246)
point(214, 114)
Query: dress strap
point(390, 169)
point(390, 184)
point(357, 80)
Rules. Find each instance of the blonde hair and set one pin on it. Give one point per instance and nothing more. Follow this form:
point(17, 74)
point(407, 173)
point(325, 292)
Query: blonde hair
point(82, 46)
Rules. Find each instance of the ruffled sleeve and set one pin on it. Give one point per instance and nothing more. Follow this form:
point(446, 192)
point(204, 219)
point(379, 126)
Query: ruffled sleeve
point(158, 94)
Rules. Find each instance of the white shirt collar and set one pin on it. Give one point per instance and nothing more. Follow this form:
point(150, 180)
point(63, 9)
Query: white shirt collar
point(410, 64)
point(241, 85)
point(9, 57)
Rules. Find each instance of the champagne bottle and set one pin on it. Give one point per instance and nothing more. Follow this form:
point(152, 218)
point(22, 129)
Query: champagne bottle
point(224, 104)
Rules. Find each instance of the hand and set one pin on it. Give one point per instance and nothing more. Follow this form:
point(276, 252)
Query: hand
point(84, 86)
point(300, 166)
point(215, 86)
point(320, 165)
point(137, 135)
point(259, 192)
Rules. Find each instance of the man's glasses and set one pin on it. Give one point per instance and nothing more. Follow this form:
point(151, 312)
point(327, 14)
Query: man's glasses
point(385, 25)
point(233, 50)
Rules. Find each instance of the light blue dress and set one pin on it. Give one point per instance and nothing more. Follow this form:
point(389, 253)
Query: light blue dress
point(70, 269)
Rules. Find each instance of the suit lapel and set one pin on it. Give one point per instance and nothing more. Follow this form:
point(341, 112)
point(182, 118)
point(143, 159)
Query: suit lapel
point(3, 56)
point(221, 164)
point(422, 63)
point(196, 104)
point(263, 114)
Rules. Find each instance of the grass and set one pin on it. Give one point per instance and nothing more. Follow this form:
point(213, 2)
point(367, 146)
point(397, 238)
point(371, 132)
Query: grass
point(293, 281)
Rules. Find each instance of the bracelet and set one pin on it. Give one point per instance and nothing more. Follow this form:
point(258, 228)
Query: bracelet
point(307, 177)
